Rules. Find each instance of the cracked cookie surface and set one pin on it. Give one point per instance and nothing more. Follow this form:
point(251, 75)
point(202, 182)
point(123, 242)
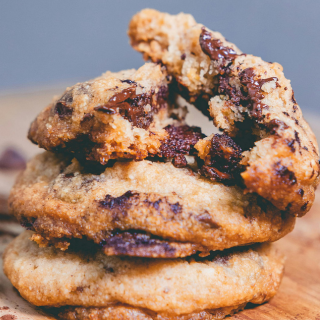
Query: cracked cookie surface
point(250, 100)
point(86, 278)
point(117, 115)
point(161, 211)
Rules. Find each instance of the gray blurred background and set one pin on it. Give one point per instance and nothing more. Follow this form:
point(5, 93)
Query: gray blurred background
point(45, 42)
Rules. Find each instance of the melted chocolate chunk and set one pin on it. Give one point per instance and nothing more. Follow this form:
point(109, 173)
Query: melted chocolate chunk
point(214, 48)
point(222, 160)
point(180, 142)
point(63, 105)
point(254, 92)
point(67, 98)
point(27, 223)
point(132, 106)
point(11, 159)
point(179, 161)
point(214, 174)
point(183, 56)
point(63, 110)
point(128, 81)
point(288, 177)
point(235, 95)
point(119, 205)
point(250, 95)
point(275, 125)
point(122, 202)
point(137, 243)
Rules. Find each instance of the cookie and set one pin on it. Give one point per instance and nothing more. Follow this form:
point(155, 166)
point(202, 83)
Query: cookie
point(140, 208)
point(117, 115)
point(83, 278)
point(250, 101)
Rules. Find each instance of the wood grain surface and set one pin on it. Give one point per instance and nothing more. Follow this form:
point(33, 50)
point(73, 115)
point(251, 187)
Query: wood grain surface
point(299, 294)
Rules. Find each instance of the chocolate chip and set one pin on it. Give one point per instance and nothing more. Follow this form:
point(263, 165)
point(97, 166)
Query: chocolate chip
point(214, 47)
point(132, 106)
point(221, 163)
point(11, 159)
point(275, 125)
point(128, 81)
point(304, 207)
point(122, 202)
point(301, 192)
point(183, 56)
point(105, 109)
point(180, 142)
point(287, 175)
point(254, 93)
point(179, 161)
point(62, 110)
point(175, 208)
point(137, 243)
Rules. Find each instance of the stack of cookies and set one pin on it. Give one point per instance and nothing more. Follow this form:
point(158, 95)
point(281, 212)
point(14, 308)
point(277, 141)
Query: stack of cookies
point(133, 214)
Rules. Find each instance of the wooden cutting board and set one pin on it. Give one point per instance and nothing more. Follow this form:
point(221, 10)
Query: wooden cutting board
point(299, 294)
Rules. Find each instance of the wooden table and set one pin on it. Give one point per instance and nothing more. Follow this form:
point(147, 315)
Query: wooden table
point(299, 294)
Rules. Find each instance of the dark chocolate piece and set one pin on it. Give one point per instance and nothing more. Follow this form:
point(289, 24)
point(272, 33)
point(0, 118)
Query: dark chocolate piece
point(221, 163)
point(132, 106)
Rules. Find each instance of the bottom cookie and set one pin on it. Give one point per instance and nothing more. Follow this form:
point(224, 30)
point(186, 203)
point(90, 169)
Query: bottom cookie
point(91, 285)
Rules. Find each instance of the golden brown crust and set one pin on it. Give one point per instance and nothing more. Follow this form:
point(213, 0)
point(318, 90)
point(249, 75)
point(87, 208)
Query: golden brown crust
point(174, 40)
point(60, 201)
point(81, 277)
point(117, 115)
point(251, 101)
point(120, 312)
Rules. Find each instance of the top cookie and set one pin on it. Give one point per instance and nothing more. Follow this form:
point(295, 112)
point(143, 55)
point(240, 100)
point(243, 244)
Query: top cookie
point(250, 100)
point(174, 41)
point(117, 115)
